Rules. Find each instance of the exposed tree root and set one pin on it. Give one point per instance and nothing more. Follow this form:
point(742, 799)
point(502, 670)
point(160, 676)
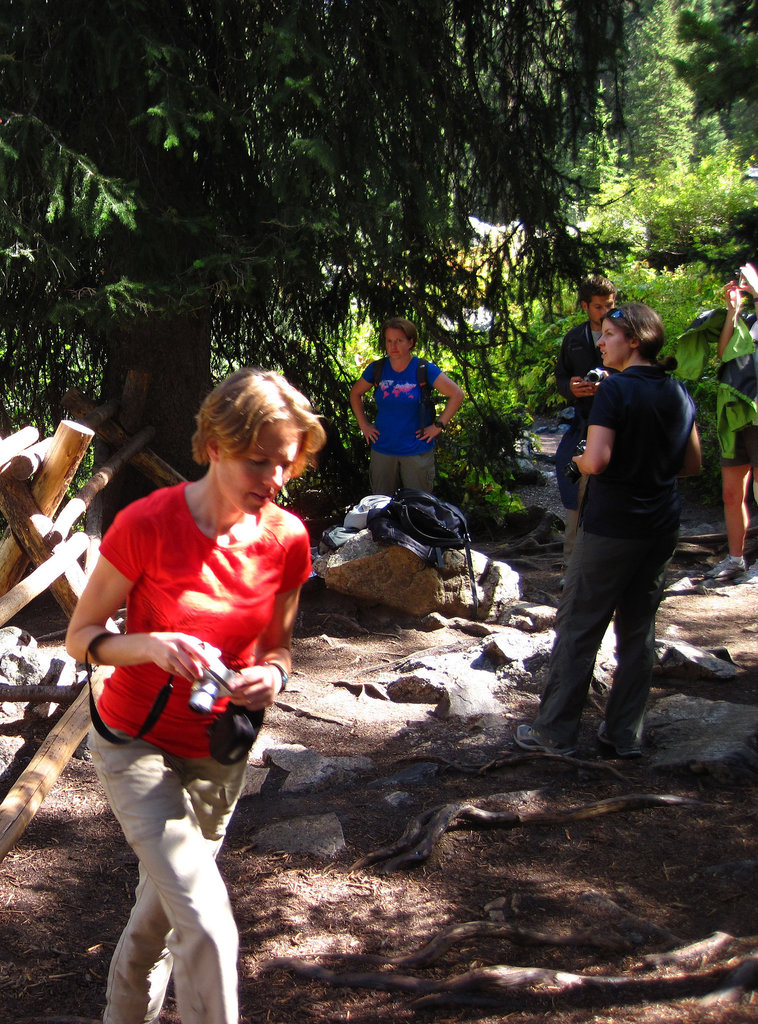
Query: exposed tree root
point(425, 830)
point(742, 979)
point(502, 980)
point(513, 760)
point(702, 951)
point(450, 937)
point(630, 922)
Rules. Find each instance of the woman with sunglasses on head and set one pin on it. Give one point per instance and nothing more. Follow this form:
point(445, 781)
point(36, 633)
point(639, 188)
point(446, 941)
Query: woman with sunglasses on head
point(211, 573)
point(641, 437)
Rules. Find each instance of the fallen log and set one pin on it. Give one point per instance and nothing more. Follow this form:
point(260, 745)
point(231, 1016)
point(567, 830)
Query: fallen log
point(147, 462)
point(39, 694)
point(715, 539)
point(24, 799)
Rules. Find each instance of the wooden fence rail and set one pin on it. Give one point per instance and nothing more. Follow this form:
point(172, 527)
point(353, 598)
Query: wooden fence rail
point(39, 532)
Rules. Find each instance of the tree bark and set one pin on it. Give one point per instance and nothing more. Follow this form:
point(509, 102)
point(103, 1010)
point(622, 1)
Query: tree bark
point(175, 354)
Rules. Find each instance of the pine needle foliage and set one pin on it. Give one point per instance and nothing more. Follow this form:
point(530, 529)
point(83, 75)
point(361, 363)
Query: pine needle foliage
point(286, 169)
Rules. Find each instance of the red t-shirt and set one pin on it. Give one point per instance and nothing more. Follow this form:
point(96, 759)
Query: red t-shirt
point(185, 582)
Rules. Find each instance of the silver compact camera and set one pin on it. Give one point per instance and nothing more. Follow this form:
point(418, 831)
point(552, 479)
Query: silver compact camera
point(212, 684)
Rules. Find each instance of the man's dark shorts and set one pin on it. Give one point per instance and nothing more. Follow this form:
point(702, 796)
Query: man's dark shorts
point(745, 448)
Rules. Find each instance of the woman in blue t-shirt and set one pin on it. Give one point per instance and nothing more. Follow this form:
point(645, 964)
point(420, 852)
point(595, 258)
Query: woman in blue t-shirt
point(403, 438)
point(641, 437)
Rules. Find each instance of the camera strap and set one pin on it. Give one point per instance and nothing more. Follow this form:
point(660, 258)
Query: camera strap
point(153, 714)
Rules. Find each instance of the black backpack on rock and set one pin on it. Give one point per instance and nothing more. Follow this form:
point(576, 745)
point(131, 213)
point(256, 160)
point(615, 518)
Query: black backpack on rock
point(425, 525)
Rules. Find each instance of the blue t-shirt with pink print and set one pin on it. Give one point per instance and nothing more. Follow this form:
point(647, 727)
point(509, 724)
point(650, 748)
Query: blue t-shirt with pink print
point(400, 412)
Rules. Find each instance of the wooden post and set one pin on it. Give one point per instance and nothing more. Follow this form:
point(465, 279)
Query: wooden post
point(76, 508)
point(69, 445)
point(43, 577)
point(147, 462)
point(13, 444)
point(24, 799)
point(30, 461)
point(22, 514)
point(70, 442)
point(99, 414)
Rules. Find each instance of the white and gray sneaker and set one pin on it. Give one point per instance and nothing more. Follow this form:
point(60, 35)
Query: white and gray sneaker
point(729, 568)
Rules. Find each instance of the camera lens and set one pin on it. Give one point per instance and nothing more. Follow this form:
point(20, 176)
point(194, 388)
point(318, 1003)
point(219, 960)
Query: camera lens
point(203, 695)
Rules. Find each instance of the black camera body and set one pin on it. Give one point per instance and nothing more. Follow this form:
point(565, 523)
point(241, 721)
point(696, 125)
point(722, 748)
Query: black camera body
point(571, 470)
point(596, 375)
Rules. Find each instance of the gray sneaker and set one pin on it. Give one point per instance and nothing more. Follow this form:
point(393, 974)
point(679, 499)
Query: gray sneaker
point(751, 576)
point(608, 749)
point(728, 569)
point(529, 739)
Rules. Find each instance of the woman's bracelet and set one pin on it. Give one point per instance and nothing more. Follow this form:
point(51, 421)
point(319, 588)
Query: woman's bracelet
point(282, 671)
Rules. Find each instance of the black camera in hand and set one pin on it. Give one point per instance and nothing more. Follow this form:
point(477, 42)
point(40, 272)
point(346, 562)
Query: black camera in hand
point(571, 470)
point(596, 375)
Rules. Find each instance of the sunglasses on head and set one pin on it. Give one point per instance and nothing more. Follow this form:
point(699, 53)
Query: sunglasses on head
point(616, 314)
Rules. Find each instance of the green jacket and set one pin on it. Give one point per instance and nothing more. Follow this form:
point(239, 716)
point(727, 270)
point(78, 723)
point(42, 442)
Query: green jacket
point(736, 405)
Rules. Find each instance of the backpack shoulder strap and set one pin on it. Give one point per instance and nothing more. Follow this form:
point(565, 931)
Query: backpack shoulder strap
point(378, 370)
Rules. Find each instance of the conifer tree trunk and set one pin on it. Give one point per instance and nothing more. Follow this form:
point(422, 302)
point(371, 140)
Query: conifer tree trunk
point(175, 353)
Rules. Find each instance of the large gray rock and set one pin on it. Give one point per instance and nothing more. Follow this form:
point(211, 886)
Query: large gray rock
point(710, 736)
point(685, 661)
point(394, 576)
point(456, 682)
point(308, 770)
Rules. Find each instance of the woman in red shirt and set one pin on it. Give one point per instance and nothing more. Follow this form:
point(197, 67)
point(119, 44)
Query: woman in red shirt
point(208, 569)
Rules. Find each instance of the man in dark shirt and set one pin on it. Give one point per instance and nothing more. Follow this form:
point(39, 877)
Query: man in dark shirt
point(579, 354)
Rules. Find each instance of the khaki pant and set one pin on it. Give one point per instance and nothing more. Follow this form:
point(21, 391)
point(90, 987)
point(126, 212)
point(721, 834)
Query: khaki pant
point(174, 812)
point(388, 472)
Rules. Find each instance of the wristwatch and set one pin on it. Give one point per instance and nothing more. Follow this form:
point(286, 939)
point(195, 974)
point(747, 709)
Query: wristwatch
point(282, 671)
point(440, 424)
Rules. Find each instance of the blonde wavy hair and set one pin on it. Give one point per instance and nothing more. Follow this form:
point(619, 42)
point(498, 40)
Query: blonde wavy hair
point(238, 408)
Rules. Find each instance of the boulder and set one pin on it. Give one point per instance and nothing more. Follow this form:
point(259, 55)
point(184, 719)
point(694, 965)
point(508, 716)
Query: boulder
point(307, 770)
point(707, 736)
point(392, 575)
point(685, 661)
point(459, 683)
